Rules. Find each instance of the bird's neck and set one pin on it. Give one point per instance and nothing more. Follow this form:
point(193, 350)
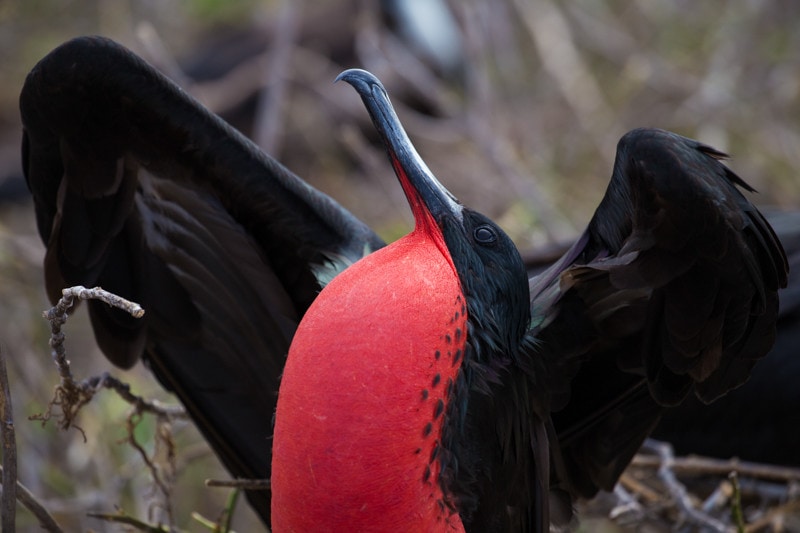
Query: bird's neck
point(364, 394)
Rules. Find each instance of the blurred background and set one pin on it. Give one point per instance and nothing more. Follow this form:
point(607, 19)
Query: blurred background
point(516, 105)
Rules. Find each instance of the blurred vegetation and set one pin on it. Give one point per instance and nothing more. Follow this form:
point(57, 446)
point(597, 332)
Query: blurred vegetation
point(522, 126)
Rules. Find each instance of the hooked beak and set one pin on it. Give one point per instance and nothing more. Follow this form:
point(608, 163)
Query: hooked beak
point(424, 192)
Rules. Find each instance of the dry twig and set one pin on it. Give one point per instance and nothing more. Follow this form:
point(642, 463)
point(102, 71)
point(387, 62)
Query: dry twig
point(57, 316)
point(12, 489)
point(71, 395)
point(245, 484)
point(642, 490)
point(628, 509)
point(678, 491)
point(705, 465)
point(29, 501)
point(225, 519)
point(9, 497)
point(722, 509)
point(122, 518)
point(773, 517)
point(161, 471)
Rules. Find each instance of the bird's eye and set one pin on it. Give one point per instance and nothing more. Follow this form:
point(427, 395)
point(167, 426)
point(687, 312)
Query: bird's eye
point(484, 235)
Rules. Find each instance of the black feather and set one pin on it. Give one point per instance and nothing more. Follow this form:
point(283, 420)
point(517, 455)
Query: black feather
point(139, 189)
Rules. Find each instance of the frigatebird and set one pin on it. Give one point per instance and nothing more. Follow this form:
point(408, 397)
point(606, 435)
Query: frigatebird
point(671, 290)
point(759, 421)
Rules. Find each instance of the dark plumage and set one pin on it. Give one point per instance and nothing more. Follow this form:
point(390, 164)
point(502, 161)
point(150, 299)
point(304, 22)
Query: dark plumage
point(141, 191)
point(760, 421)
point(671, 290)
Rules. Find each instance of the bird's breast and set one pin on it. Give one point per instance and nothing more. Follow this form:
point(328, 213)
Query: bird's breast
point(364, 395)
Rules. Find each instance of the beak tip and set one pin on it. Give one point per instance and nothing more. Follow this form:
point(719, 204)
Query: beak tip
point(361, 80)
point(409, 166)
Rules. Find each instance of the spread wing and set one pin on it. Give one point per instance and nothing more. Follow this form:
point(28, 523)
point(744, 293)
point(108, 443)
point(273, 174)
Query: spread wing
point(140, 190)
point(671, 290)
point(759, 421)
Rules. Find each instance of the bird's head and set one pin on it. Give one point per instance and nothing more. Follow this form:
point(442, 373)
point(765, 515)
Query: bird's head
point(487, 262)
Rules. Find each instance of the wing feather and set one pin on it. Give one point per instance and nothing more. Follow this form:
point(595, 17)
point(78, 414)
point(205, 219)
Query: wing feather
point(140, 190)
point(674, 288)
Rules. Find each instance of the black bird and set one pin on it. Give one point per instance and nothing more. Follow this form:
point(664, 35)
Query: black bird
point(139, 190)
point(671, 290)
point(759, 421)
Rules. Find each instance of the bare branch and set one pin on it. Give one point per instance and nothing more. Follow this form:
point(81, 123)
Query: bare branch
point(678, 491)
point(628, 509)
point(79, 292)
point(142, 405)
point(245, 484)
point(706, 465)
point(122, 518)
point(163, 473)
point(27, 499)
point(719, 498)
point(633, 484)
point(70, 395)
point(9, 498)
point(57, 316)
point(223, 523)
point(773, 517)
